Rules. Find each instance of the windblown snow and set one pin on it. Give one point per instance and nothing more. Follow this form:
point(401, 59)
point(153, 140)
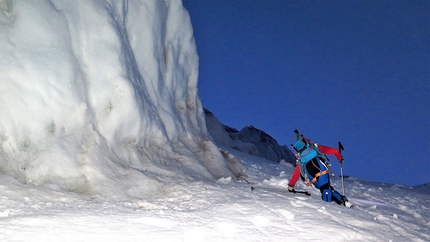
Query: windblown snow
point(103, 138)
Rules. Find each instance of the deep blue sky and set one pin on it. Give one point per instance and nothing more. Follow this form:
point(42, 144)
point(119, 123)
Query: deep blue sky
point(350, 71)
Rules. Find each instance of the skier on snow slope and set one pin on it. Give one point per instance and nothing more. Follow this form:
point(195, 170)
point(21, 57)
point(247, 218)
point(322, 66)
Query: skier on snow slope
point(312, 166)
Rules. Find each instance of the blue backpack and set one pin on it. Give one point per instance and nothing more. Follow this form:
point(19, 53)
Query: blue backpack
point(306, 151)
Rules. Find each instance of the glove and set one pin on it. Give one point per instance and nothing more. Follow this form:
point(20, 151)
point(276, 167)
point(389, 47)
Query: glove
point(307, 182)
point(341, 159)
point(290, 188)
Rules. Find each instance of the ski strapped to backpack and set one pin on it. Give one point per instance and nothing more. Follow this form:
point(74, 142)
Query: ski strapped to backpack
point(306, 151)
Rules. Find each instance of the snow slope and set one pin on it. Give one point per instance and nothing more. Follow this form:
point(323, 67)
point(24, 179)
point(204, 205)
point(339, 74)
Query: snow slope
point(226, 210)
point(103, 138)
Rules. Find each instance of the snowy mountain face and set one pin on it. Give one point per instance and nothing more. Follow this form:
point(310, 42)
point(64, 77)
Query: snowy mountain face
point(96, 92)
point(103, 138)
point(249, 140)
point(266, 146)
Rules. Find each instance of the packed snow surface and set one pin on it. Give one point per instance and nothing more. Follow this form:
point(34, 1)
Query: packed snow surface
point(103, 138)
point(225, 210)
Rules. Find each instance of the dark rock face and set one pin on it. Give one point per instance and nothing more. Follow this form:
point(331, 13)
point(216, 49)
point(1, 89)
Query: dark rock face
point(266, 146)
point(250, 140)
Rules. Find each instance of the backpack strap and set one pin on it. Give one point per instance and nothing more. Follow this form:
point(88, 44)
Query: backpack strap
point(318, 175)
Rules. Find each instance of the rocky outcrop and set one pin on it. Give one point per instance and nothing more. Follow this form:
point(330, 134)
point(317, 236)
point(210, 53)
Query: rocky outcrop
point(250, 140)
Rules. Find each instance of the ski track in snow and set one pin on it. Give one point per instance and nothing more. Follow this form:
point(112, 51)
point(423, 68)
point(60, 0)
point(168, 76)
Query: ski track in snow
point(222, 211)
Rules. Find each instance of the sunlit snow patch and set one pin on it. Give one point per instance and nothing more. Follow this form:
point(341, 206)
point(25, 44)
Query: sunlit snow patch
point(260, 221)
point(224, 180)
point(194, 235)
point(227, 229)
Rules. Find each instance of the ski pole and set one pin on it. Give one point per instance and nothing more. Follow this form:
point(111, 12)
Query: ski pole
point(341, 169)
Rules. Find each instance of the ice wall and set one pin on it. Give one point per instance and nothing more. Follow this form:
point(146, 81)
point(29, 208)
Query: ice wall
point(94, 92)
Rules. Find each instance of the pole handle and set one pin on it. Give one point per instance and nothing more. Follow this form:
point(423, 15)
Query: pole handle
point(340, 147)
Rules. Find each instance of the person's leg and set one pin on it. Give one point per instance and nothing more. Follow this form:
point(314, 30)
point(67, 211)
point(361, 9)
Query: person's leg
point(329, 194)
point(316, 171)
